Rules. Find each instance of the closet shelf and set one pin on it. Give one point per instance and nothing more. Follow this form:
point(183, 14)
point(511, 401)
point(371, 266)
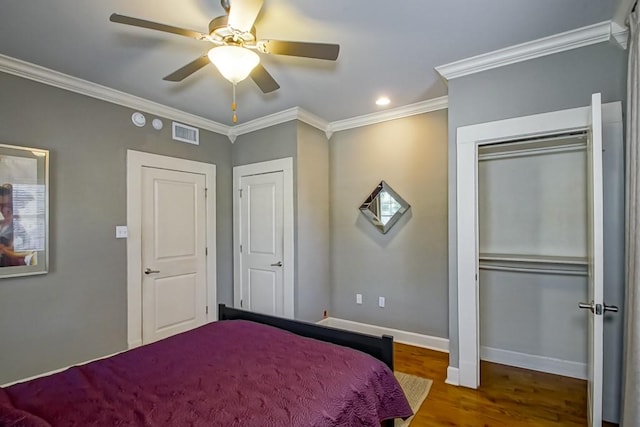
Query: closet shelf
point(542, 259)
point(536, 264)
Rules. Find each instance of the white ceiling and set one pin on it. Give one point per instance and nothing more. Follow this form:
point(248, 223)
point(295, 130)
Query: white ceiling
point(387, 48)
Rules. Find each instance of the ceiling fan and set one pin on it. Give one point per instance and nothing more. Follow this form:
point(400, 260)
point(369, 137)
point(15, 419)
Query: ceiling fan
point(236, 43)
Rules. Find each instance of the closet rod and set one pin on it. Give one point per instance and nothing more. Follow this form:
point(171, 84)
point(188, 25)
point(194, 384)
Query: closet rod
point(567, 148)
point(533, 270)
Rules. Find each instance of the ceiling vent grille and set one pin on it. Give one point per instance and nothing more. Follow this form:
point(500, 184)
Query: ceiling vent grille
point(186, 133)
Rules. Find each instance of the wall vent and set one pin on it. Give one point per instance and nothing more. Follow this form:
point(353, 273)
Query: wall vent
point(186, 133)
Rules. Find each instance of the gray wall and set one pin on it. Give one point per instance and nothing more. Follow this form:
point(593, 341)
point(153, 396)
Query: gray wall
point(275, 142)
point(561, 81)
point(309, 149)
point(78, 311)
point(313, 284)
point(408, 265)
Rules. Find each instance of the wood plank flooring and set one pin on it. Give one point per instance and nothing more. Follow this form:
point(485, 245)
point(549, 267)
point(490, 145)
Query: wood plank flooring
point(508, 396)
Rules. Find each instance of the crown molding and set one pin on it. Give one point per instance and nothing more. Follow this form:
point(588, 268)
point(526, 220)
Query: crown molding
point(434, 104)
point(295, 113)
point(57, 79)
point(620, 34)
point(585, 36)
point(53, 78)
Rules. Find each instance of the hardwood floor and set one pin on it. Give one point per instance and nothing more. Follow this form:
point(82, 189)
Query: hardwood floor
point(508, 396)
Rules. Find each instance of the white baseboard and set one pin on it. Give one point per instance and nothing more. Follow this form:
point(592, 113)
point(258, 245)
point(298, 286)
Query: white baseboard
point(55, 371)
point(404, 337)
point(505, 357)
point(535, 363)
point(453, 376)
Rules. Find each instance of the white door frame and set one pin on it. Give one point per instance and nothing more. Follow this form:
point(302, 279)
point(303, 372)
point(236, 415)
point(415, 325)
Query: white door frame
point(288, 270)
point(136, 160)
point(468, 139)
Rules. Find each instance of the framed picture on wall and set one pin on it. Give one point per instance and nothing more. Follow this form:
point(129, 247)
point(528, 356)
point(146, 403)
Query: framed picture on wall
point(24, 211)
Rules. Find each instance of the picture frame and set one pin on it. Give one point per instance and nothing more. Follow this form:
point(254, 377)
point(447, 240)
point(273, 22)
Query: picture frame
point(24, 211)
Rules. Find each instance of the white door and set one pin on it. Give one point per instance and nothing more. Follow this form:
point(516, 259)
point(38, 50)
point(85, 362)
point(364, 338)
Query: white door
point(595, 254)
point(261, 243)
point(174, 296)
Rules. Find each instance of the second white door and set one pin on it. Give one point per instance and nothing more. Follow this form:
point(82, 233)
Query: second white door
point(261, 243)
point(174, 296)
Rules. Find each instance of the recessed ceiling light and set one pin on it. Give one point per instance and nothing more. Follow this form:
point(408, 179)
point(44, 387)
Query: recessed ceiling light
point(383, 100)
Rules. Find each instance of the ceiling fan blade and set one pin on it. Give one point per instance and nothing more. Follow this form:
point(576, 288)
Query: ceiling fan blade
point(188, 69)
point(263, 79)
point(304, 49)
point(243, 14)
point(128, 20)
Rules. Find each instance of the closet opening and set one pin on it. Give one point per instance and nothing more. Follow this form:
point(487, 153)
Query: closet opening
point(532, 243)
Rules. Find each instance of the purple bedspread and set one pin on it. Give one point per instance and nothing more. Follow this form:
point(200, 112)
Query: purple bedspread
point(227, 373)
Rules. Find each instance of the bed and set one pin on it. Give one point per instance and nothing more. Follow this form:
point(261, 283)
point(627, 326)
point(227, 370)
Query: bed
point(247, 369)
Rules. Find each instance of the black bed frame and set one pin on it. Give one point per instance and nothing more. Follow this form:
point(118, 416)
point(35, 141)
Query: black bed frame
point(379, 347)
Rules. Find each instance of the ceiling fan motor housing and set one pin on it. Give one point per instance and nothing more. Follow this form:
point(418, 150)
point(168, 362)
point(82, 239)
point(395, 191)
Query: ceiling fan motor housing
point(220, 31)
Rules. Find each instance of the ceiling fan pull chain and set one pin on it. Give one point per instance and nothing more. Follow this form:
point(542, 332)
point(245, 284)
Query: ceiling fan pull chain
point(233, 105)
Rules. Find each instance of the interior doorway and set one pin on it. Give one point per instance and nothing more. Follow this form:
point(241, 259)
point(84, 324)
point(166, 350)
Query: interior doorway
point(170, 173)
point(594, 119)
point(532, 226)
point(263, 237)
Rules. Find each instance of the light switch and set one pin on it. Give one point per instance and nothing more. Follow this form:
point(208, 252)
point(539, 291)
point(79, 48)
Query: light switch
point(381, 301)
point(122, 232)
point(358, 298)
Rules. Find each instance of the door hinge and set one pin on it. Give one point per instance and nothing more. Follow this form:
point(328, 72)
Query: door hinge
point(240, 190)
point(240, 303)
point(205, 192)
point(206, 251)
point(241, 248)
point(207, 310)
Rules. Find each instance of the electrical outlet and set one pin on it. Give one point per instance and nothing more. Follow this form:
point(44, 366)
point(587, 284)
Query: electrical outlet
point(381, 302)
point(358, 298)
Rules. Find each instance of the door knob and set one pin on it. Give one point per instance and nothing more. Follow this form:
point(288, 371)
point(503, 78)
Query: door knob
point(613, 308)
point(277, 264)
point(150, 271)
point(595, 308)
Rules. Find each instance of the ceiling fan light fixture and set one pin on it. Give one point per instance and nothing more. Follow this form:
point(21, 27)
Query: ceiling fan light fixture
point(235, 63)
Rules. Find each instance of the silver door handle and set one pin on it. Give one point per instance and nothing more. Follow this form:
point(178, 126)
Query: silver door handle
point(277, 264)
point(613, 308)
point(595, 308)
point(586, 305)
point(150, 271)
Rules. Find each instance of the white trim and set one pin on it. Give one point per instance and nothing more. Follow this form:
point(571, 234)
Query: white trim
point(286, 166)
point(295, 113)
point(533, 362)
point(135, 161)
point(55, 371)
point(324, 322)
point(429, 105)
point(573, 39)
point(53, 78)
point(467, 142)
point(620, 34)
point(453, 376)
point(404, 337)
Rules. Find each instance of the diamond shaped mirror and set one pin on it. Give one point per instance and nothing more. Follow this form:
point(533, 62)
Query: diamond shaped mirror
point(384, 207)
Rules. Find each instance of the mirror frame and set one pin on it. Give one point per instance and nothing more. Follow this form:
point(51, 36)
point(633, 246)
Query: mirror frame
point(373, 219)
